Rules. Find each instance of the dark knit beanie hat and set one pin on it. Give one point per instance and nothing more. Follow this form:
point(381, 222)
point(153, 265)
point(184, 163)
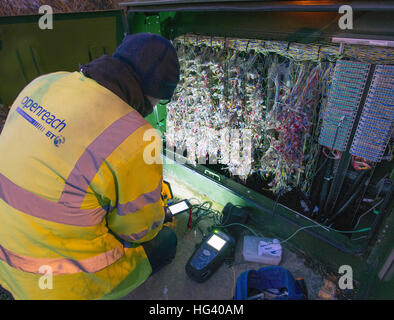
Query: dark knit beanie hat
point(155, 62)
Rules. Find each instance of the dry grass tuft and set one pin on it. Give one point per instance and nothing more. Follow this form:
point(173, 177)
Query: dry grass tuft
point(23, 7)
point(3, 116)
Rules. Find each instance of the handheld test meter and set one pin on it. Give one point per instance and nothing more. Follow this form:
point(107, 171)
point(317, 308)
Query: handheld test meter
point(209, 255)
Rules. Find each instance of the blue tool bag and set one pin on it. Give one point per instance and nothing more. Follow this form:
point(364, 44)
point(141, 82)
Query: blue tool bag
point(269, 283)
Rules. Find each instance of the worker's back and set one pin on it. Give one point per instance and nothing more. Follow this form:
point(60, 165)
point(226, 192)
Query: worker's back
point(71, 165)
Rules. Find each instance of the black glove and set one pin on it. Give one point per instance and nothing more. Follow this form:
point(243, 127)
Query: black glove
point(167, 216)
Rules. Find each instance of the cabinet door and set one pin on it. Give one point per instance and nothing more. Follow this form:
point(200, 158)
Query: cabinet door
point(26, 51)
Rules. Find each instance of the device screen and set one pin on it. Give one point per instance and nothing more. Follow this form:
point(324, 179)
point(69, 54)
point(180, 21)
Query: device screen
point(216, 242)
point(178, 207)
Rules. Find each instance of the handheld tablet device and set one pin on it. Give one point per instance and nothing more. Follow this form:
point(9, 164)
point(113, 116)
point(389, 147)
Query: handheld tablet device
point(179, 207)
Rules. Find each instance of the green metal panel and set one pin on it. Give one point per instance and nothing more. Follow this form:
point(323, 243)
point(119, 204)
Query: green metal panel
point(26, 51)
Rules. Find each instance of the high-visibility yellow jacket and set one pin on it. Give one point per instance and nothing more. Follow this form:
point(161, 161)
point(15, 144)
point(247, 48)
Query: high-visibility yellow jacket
point(73, 185)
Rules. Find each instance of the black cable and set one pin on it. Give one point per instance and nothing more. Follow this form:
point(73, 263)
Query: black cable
point(346, 204)
point(333, 144)
point(208, 211)
point(368, 211)
point(324, 190)
point(326, 184)
point(353, 188)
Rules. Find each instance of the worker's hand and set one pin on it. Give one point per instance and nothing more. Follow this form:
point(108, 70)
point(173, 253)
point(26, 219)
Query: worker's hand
point(167, 215)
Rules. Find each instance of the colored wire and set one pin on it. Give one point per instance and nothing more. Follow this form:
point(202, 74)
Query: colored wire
point(238, 224)
point(317, 225)
point(368, 211)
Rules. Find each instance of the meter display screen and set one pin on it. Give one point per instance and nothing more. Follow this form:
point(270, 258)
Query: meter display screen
point(178, 207)
point(216, 242)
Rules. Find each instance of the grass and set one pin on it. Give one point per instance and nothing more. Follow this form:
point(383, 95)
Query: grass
point(3, 116)
point(23, 7)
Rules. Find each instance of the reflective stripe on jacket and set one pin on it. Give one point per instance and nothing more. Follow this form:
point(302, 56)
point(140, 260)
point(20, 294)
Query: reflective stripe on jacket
point(71, 171)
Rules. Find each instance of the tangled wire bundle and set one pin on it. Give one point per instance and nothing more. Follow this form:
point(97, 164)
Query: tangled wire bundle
point(273, 100)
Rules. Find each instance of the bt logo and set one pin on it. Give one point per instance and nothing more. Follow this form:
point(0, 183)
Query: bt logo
point(57, 140)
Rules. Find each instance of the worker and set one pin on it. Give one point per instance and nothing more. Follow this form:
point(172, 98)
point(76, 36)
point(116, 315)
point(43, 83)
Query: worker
point(80, 209)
